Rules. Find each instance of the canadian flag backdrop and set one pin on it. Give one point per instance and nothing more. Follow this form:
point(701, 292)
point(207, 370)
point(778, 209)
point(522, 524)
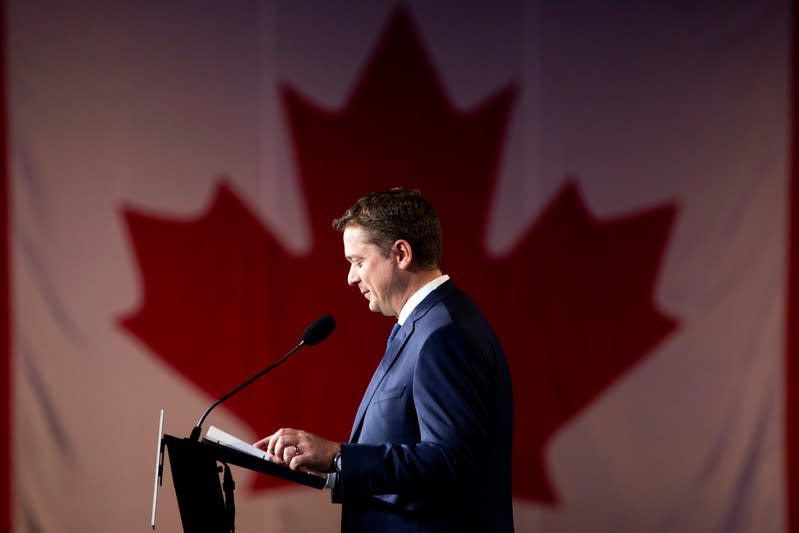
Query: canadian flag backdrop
point(615, 181)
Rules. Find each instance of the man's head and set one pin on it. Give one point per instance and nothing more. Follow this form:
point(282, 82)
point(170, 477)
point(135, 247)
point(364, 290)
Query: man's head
point(396, 214)
point(392, 240)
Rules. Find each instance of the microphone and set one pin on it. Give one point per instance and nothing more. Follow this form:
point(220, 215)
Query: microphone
point(318, 330)
point(315, 333)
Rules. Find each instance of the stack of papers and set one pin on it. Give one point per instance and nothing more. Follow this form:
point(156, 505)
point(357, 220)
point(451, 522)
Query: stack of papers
point(218, 436)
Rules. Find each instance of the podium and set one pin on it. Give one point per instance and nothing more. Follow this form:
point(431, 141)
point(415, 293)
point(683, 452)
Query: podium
point(206, 504)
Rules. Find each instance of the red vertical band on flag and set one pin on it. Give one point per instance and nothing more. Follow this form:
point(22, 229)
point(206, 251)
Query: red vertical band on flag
point(792, 315)
point(5, 304)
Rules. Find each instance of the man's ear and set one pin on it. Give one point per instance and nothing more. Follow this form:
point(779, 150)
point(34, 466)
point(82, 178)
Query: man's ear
point(403, 253)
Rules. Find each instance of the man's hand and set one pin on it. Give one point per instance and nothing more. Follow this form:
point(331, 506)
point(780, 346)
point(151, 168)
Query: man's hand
point(300, 450)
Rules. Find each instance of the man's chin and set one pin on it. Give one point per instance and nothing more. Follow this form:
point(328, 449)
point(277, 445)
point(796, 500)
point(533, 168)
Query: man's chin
point(373, 307)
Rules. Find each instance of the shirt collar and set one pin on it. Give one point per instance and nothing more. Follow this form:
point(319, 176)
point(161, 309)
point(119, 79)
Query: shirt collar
point(418, 296)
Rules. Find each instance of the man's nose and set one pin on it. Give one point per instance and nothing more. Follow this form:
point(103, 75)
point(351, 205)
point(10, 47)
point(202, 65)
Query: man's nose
point(352, 276)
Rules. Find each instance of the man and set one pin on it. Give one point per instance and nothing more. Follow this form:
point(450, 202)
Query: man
point(430, 448)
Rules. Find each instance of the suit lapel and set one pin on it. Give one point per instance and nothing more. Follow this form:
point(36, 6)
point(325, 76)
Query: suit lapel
point(386, 363)
point(394, 350)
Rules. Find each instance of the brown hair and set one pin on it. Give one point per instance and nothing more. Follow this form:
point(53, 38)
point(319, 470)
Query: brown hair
point(394, 214)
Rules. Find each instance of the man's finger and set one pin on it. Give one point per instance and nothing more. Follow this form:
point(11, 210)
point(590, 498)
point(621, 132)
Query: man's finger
point(297, 462)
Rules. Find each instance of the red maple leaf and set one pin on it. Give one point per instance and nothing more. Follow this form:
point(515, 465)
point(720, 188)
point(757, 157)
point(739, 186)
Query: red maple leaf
point(572, 303)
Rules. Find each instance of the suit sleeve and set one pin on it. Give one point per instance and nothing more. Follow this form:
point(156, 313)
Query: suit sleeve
point(453, 393)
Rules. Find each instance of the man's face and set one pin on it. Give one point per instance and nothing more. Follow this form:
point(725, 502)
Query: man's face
point(375, 275)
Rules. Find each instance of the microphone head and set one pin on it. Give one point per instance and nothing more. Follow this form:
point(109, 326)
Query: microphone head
point(319, 330)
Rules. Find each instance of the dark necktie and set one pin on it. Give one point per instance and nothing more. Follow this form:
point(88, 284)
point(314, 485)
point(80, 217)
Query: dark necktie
point(393, 334)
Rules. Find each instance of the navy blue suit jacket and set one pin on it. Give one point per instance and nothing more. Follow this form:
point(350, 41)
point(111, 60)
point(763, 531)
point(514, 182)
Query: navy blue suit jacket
point(430, 449)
